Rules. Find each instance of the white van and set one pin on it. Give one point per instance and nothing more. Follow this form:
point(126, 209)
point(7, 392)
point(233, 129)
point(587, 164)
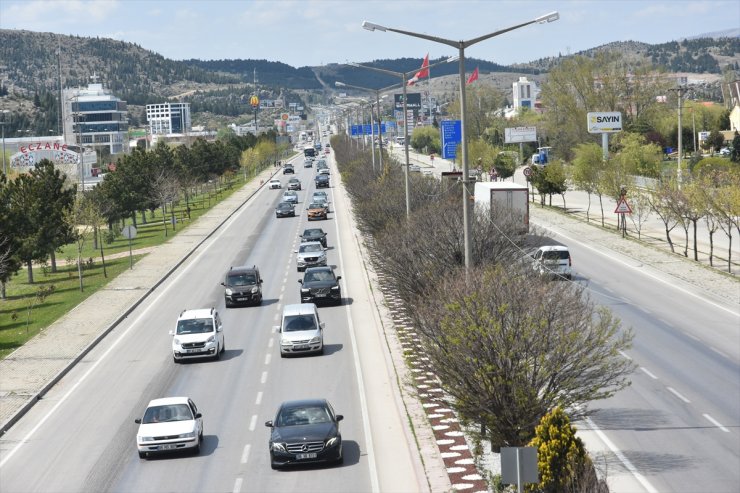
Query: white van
point(301, 330)
point(553, 260)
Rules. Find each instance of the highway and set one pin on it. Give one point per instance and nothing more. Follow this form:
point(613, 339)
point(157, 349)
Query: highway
point(677, 427)
point(81, 436)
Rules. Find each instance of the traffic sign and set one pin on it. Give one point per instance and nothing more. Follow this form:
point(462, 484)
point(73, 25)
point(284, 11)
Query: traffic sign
point(254, 101)
point(129, 232)
point(623, 207)
point(527, 171)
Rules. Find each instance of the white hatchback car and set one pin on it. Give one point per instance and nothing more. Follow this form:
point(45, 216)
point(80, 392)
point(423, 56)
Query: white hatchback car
point(198, 334)
point(169, 424)
point(275, 184)
point(301, 330)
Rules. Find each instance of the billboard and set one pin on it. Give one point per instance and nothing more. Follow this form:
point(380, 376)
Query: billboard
point(514, 135)
point(599, 122)
point(413, 101)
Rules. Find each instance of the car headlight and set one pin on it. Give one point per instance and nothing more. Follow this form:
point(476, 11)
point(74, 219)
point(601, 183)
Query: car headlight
point(314, 340)
point(211, 339)
point(255, 290)
point(322, 256)
point(334, 288)
point(177, 341)
point(229, 291)
point(332, 441)
point(305, 290)
point(278, 447)
point(187, 435)
point(146, 439)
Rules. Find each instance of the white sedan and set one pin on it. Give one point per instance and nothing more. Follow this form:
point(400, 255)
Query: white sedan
point(169, 424)
point(275, 184)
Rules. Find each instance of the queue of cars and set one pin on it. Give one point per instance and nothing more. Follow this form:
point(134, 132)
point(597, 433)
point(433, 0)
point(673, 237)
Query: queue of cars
point(303, 431)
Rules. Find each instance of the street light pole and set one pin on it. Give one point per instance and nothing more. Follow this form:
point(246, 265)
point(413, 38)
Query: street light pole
point(461, 45)
point(404, 79)
point(3, 123)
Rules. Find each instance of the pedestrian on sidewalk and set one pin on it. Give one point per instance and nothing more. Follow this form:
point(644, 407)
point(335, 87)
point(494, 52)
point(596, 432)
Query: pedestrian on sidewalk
point(494, 174)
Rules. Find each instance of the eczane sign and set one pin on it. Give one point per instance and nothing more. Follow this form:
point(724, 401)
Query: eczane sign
point(604, 122)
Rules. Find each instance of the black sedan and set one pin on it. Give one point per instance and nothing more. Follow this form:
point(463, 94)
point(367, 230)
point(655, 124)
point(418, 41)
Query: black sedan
point(320, 285)
point(305, 431)
point(285, 209)
point(322, 181)
point(314, 234)
point(288, 170)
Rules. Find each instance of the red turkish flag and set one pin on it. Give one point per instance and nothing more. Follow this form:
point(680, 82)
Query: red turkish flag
point(473, 76)
point(424, 72)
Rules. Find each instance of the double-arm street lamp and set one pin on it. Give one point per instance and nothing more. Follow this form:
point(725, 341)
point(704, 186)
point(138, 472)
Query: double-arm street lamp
point(460, 45)
point(404, 79)
point(372, 125)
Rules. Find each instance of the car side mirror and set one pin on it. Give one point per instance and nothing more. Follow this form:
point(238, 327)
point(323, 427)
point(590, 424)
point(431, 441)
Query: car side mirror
point(198, 415)
point(223, 284)
point(322, 325)
point(172, 332)
point(268, 424)
point(219, 328)
point(339, 417)
point(339, 277)
point(261, 281)
point(295, 251)
point(137, 421)
point(300, 281)
point(325, 249)
point(276, 328)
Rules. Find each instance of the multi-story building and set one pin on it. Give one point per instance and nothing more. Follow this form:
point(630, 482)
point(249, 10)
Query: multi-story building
point(526, 93)
point(95, 118)
point(168, 118)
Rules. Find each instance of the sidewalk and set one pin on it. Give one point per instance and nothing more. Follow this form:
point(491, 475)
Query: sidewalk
point(31, 370)
point(576, 203)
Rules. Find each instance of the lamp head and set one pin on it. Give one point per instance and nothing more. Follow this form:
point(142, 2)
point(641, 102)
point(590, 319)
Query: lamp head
point(453, 59)
point(339, 84)
point(551, 17)
point(372, 27)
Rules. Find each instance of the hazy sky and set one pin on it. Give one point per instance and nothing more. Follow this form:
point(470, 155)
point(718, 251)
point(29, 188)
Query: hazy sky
point(315, 32)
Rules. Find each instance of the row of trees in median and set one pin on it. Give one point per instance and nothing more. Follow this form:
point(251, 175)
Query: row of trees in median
point(507, 346)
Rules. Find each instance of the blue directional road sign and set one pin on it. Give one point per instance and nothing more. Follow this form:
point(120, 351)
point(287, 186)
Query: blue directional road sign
point(451, 131)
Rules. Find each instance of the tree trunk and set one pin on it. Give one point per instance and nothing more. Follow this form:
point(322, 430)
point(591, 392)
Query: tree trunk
point(601, 204)
point(164, 219)
point(668, 238)
point(30, 271)
point(3, 295)
point(711, 247)
point(729, 249)
point(143, 216)
point(133, 219)
point(53, 256)
point(95, 238)
point(696, 248)
point(588, 207)
point(565, 207)
point(686, 240)
point(79, 267)
point(102, 257)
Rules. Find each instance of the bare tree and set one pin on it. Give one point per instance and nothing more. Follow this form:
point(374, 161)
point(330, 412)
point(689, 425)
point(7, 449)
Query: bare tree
point(640, 209)
point(660, 200)
point(165, 189)
point(508, 349)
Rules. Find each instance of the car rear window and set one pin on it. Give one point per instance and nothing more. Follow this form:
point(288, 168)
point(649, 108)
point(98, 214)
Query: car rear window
point(556, 255)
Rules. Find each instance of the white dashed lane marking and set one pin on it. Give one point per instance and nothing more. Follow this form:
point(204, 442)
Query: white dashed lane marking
point(677, 394)
point(258, 401)
point(253, 422)
point(245, 453)
point(715, 423)
point(268, 357)
point(263, 378)
point(237, 485)
point(648, 373)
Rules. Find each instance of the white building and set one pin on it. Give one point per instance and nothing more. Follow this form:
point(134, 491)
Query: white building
point(169, 118)
point(97, 117)
point(526, 93)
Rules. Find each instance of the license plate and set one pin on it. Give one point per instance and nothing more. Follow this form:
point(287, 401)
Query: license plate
point(300, 346)
point(311, 455)
point(320, 295)
point(192, 350)
point(167, 446)
point(241, 299)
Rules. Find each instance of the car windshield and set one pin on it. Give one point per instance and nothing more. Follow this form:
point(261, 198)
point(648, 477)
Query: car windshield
point(313, 232)
point(285, 205)
point(195, 326)
point(296, 323)
point(316, 205)
point(319, 275)
point(241, 279)
point(310, 248)
point(298, 416)
point(171, 412)
point(555, 255)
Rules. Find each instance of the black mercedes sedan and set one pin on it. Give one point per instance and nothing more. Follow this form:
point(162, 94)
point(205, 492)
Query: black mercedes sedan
point(285, 209)
point(305, 431)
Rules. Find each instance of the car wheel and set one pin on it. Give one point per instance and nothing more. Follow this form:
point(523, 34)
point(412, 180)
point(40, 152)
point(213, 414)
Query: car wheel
point(228, 304)
point(196, 449)
point(142, 455)
point(340, 460)
point(223, 348)
point(218, 353)
point(177, 361)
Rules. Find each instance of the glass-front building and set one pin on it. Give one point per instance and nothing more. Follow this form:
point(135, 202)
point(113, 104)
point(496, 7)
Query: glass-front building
point(95, 118)
point(168, 118)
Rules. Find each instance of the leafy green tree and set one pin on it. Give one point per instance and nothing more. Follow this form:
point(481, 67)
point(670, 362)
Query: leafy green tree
point(562, 460)
point(9, 261)
point(505, 165)
point(587, 167)
point(715, 140)
point(55, 198)
point(735, 151)
point(637, 157)
point(550, 180)
point(426, 139)
point(24, 207)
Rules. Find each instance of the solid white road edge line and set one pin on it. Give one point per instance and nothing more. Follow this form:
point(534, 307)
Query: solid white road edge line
point(624, 460)
point(205, 247)
point(358, 373)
